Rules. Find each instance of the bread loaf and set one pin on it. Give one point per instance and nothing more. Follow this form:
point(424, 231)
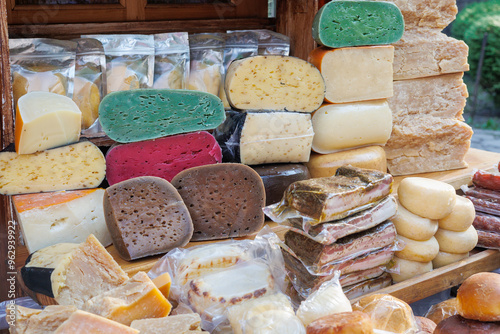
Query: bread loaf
point(459, 325)
point(478, 297)
point(355, 322)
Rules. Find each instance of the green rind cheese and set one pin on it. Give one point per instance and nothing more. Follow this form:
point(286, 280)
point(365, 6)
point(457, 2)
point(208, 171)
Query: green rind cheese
point(357, 23)
point(142, 114)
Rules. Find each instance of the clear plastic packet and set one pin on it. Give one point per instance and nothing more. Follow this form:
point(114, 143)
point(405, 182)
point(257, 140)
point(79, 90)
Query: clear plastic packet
point(271, 42)
point(129, 61)
point(89, 83)
point(239, 44)
point(171, 70)
point(42, 64)
point(206, 62)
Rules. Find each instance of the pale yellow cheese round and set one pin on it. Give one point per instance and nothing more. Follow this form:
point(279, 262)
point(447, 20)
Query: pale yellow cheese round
point(411, 226)
point(457, 242)
point(427, 198)
point(409, 269)
point(462, 216)
point(421, 251)
point(443, 259)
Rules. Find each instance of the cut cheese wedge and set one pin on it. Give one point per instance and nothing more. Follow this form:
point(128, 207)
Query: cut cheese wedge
point(75, 166)
point(34, 321)
point(44, 121)
point(84, 322)
point(65, 216)
point(178, 324)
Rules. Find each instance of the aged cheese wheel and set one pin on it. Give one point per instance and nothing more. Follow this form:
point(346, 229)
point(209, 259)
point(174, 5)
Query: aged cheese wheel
point(457, 242)
point(414, 227)
point(462, 216)
point(427, 198)
point(409, 269)
point(444, 258)
point(421, 251)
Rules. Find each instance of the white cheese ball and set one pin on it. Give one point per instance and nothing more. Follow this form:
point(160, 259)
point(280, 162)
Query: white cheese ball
point(414, 227)
point(409, 269)
point(444, 258)
point(462, 216)
point(457, 242)
point(421, 251)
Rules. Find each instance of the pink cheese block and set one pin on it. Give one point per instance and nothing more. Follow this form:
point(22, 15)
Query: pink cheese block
point(164, 157)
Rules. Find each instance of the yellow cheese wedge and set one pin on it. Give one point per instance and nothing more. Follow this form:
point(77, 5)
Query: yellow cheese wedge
point(76, 166)
point(44, 121)
point(87, 97)
point(163, 283)
point(35, 321)
point(84, 322)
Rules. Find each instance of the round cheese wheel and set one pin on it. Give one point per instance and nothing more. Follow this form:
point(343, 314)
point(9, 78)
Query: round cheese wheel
point(462, 216)
point(427, 198)
point(444, 258)
point(414, 227)
point(421, 251)
point(409, 269)
point(457, 242)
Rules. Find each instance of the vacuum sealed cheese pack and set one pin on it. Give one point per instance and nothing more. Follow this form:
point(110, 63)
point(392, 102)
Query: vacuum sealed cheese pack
point(171, 60)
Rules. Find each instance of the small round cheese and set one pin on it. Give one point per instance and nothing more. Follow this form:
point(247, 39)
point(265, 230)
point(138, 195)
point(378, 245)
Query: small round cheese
point(427, 198)
point(444, 258)
point(409, 269)
point(462, 216)
point(414, 227)
point(421, 251)
point(457, 242)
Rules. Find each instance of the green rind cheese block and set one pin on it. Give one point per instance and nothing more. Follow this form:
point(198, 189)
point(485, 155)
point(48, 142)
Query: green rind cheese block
point(142, 114)
point(357, 23)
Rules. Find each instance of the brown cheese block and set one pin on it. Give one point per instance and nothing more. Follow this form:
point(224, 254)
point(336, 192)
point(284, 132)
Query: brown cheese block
point(342, 323)
point(224, 200)
point(439, 96)
point(146, 216)
point(425, 52)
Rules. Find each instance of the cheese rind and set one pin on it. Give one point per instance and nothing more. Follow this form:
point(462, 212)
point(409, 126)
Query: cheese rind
point(409, 269)
point(279, 83)
point(44, 121)
point(412, 226)
point(66, 216)
point(142, 114)
point(350, 125)
point(75, 166)
point(444, 258)
point(87, 97)
point(357, 23)
point(354, 74)
point(84, 322)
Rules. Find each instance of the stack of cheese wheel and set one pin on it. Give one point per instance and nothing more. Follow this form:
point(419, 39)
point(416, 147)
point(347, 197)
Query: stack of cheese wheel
point(356, 61)
point(426, 206)
point(429, 93)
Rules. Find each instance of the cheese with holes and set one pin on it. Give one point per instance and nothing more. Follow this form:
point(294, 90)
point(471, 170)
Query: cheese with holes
point(279, 83)
point(427, 144)
point(441, 96)
point(137, 298)
point(427, 52)
point(84, 322)
point(142, 114)
point(354, 74)
point(350, 125)
point(35, 321)
point(64, 216)
point(178, 324)
point(44, 121)
point(357, 23)
point(75, 166)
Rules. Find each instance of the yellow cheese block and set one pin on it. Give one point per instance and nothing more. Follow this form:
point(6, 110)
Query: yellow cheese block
point(87, 97)
point(137, 298)
point(84, 322)
point(355, 73)
point(23, 83)
point(350, 125)
point(44, 121)
point(75, 166)
point(163, 283)
point(369, 157)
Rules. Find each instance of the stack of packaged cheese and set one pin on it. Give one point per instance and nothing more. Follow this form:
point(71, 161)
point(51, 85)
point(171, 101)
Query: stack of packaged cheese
point(356, 62)
point(429, 95)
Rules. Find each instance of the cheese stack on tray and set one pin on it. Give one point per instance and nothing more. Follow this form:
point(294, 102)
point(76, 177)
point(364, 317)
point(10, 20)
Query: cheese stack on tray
point(429, 94)
point(356, 61)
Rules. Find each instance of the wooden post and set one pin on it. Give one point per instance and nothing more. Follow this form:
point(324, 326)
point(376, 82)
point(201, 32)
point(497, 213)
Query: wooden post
point(294, 19)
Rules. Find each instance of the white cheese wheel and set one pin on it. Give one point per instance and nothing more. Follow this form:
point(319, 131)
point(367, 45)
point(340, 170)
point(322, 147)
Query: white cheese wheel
point(444, 258)
point(457, 242)
point(462, 216)
point(414, 227)
point(421, 251)
point(409, 269)
point(427, 198)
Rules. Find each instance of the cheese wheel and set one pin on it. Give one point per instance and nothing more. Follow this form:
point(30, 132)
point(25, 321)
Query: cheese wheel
point(462, 216)
point(414, 227)
point(349, 125)
point(409, 269)
point(457, 242)
point(421, 251)
point(427, 198)
point(444, 258)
